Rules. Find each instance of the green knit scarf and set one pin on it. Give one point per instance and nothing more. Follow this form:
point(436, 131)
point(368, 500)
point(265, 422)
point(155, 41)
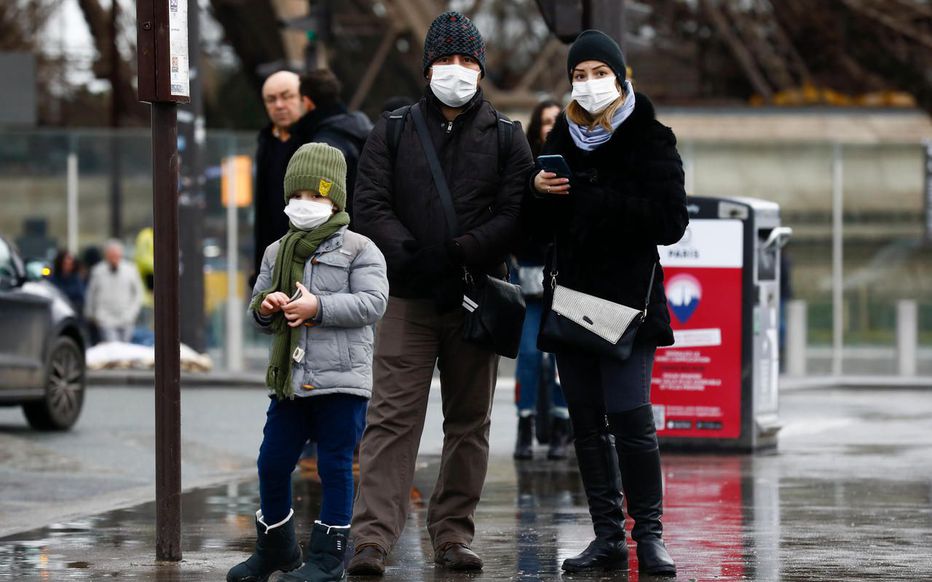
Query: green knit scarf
point(293, 252)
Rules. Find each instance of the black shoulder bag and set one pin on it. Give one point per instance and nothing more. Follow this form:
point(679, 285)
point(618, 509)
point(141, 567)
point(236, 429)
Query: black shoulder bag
point(590, 324)
point(494, 307)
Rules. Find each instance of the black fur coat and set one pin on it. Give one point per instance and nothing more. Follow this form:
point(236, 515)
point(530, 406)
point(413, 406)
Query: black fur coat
point(626, 197)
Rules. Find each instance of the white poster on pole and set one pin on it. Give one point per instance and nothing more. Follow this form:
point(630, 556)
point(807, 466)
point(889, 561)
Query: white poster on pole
point(178, 47)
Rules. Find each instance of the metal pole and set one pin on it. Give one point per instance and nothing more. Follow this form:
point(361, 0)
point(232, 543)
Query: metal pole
point(167, 332)
point(234, 305)
point(73, 203)
point(796, 337)
point(689, 166)
point(927, 190)
point(907, 336)
point(838, 308)
point(116, 187)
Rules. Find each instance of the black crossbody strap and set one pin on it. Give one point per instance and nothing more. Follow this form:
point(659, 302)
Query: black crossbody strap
point(446, 199)
point(554, 271)
point(650, 286)
point(393, 127)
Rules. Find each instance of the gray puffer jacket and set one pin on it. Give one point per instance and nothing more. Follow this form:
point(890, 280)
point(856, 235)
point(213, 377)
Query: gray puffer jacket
point(347, 273)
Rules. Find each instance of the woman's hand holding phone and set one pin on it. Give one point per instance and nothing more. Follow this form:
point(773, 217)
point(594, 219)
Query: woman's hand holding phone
point(554, 176)
point(550, 183)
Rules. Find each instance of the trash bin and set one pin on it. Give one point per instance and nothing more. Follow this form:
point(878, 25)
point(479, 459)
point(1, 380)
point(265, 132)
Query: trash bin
point(716, 387)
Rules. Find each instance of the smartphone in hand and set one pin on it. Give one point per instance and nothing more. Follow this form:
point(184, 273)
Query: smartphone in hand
point(556, 164)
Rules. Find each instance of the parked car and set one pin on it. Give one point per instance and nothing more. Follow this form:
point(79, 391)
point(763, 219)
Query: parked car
point(42, 344)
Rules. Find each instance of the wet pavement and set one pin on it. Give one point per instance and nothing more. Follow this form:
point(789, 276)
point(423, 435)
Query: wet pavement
point(848, 495)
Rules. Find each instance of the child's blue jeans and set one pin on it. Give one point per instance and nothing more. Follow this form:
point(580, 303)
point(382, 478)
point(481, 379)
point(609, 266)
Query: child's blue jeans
point(335, 422)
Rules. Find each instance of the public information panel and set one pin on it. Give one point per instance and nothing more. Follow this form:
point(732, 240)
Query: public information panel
point(697, 382)
point(716, 387)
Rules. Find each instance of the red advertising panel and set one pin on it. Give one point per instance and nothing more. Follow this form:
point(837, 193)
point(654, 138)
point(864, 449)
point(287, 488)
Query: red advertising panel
point(696, 385)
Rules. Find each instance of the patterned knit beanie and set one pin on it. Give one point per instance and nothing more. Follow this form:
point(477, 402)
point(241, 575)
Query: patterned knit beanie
point(594, 45)
point(451, 33)
point(320, 168)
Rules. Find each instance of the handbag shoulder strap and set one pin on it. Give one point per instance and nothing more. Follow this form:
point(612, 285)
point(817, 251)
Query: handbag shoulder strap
point(427, 144)
point(554, 271)
point(650, 286)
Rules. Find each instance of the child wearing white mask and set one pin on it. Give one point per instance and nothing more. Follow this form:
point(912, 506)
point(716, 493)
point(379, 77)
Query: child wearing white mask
point(321, 288)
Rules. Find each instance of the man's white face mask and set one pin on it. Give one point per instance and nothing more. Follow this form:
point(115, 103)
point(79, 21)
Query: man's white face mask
point(597, 94)
point(307, 214)
point(454, 85)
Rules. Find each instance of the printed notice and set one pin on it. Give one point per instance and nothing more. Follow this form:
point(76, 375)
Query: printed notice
point(178, 48)
point(696, 338)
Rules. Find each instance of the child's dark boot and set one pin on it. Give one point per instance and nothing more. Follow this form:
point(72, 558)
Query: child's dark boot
point(324, 556)
point(277, 550)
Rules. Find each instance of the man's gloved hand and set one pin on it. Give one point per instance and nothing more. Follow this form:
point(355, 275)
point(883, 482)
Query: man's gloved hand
point(435, 269)
point(447, 293)
point(428, 260)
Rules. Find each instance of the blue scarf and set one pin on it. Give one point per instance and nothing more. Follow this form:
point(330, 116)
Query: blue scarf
point(589, 139)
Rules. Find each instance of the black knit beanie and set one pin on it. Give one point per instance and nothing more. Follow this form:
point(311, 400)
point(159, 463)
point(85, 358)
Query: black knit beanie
point(451, 33)
point(594, 45)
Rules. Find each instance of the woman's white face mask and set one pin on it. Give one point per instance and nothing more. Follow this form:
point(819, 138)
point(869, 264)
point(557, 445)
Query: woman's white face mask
point(307, 214)
point(454, 85)
point(596, 94)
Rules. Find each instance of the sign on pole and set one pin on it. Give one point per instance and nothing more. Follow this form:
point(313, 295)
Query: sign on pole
point(927, 190)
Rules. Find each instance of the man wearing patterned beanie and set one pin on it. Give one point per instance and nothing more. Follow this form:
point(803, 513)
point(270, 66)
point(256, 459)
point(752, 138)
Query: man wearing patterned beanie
point(486, 164)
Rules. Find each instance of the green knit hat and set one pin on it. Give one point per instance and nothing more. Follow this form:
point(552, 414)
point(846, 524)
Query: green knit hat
point(320, 168)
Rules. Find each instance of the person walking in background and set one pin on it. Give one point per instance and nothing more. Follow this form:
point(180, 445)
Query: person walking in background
point(399, 206)
point(327, 121)
point(66, 275)
point(281, 95)
point(624, 195)
point(320, 365)
point(534, 368)
point(114, 295)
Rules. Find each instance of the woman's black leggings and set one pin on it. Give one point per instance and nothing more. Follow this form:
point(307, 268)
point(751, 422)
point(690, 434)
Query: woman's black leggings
point(596, 386)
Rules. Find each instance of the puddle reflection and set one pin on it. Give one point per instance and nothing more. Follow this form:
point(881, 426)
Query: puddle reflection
point(727, 518)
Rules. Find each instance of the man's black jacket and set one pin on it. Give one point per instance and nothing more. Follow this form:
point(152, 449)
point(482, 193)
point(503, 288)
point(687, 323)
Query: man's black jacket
point(397, 201)
point(271, 224)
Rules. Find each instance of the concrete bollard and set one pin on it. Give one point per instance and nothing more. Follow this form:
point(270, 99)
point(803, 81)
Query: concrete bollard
point(796, 332)
point(907, 336)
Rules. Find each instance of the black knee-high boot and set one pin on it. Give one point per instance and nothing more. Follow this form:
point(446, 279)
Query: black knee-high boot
point(642, 480)
point(599, 472)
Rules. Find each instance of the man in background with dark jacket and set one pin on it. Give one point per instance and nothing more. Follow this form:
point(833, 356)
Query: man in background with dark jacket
point(300, 110)
point(327, 121)
point(281, 95)
point(398, 207)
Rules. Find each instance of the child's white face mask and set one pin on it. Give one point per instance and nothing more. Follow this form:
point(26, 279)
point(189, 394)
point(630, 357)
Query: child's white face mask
point(307, 214)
